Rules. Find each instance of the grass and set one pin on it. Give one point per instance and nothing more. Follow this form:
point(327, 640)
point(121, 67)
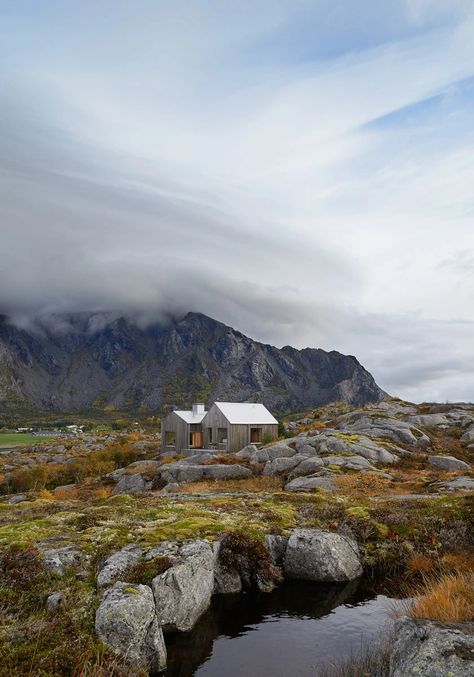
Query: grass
point(370, 661)
point(447, 598)
point(23, 439)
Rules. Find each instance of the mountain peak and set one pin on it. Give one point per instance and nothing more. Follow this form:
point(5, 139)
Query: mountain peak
point(104, 359)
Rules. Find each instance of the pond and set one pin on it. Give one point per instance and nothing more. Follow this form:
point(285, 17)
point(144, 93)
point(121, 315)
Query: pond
point(291, 632)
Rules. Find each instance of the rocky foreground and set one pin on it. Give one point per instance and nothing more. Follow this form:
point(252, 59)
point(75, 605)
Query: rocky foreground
point(108, 545)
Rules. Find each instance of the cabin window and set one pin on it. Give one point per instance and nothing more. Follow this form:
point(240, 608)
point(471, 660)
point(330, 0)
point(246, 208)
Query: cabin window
point(255, 435)
point(221, 435)
point(170, 438)
point(209, 434)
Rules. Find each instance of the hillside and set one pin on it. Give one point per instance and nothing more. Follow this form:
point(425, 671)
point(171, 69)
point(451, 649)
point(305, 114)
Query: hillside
point(75, 362)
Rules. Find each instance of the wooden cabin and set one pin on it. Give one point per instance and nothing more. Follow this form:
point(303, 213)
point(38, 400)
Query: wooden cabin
point(182, 429)
point(230, 426)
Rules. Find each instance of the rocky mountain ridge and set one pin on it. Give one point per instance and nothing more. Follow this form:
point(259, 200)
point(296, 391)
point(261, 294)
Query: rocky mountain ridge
point(91, 360)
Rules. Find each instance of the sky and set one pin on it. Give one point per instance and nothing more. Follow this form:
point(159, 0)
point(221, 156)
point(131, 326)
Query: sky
point(300, 170)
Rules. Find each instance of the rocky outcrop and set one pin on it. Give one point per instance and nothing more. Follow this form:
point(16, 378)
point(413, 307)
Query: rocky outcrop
point(226, 580)
point(317, 555)
point(183, 592)
point(385, 428)
point(429, 649)
point(181, 473)
point(447, 463)
point(126, 622)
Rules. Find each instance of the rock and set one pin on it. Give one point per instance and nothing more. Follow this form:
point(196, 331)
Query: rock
point(308, 467)
point(130, 484)
point(226, 581)
point(19, 498)
point(460, 483)
point(117, 564)
point(279, 450)
point(447, 463)
point(429, 649)
point(317, 555)
point(350, 462)
point(247, 452)
point(183, 592)
point(276, 546)
point(55, 601)
point(383, 427)
point(60, 458)
point(126, 622)
point(58, 560)
point(185, 472)
point(278, 465)
point(310, 483)
point(468, 435)
point(63, 487)
point(430, 420)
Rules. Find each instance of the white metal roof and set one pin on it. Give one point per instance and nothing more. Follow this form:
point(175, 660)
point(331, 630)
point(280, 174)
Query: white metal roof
point(190, 416)
point(246, 412)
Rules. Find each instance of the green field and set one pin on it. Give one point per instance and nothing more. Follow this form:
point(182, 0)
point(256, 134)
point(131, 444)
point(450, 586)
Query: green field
point(23, 439)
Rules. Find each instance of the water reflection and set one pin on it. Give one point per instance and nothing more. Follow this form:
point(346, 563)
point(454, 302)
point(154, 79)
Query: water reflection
point(290, 632)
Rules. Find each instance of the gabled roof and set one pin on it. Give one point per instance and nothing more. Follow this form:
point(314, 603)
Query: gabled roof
point(246, 413)
point(190, 416)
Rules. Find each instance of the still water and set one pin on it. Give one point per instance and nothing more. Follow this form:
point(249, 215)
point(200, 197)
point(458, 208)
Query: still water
point(291, 632)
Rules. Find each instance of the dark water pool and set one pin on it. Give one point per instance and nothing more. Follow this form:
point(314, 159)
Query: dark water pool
point(290, 632)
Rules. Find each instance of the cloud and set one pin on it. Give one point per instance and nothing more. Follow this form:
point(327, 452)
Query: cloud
point(296, 172)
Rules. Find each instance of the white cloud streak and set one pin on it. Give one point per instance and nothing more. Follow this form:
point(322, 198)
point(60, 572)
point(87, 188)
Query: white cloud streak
point(304, 186)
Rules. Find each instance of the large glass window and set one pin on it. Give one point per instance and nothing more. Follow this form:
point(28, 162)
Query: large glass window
point(221, 435)
point(170, 438)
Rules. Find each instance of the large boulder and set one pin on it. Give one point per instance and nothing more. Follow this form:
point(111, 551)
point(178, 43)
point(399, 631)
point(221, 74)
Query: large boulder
point(447, 463)
point(310, 483)
point(248, 451)
point(126, 622)
point(278, 450)
point(468, 435)
point(317, 555)
point(130, 484)
point(182, 472)
point(307, 467)
point(282, 464)
point(183, 592)
point(459, 484)
point(117, 564)
point(428, 649)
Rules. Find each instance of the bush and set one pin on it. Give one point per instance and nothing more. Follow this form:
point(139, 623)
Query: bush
point(250, 558)
point(448, 598)
point(21, 568)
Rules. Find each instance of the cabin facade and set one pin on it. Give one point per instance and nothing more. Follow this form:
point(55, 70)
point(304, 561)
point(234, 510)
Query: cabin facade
point(233, 425)
point(227, 426)
point(182, 429)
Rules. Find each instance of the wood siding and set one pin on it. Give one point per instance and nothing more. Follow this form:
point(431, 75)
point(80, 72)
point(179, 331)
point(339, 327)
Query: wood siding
point(238, 435)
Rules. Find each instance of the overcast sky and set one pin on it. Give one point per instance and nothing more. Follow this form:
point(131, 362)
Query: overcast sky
point(300, 170)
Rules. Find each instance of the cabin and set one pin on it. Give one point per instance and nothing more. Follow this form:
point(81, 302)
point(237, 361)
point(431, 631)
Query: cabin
point(227, 426)
point(182, 429)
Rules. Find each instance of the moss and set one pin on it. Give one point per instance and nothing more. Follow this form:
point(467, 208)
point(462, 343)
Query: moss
point(358, 511)
point(131, 591)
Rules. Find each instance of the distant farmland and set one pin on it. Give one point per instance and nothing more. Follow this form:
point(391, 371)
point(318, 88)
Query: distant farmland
point(22, 439)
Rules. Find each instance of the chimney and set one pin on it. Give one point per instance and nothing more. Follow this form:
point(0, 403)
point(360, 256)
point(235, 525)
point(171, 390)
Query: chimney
point(198, 409)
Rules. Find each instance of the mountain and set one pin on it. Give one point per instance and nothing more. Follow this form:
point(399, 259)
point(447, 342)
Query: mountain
point(93, 360)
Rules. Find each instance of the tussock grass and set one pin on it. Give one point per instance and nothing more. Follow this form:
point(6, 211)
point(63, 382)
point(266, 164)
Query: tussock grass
point(448, 598)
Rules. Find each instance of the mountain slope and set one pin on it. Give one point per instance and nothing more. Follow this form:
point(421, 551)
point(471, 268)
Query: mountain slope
point(74, 362)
